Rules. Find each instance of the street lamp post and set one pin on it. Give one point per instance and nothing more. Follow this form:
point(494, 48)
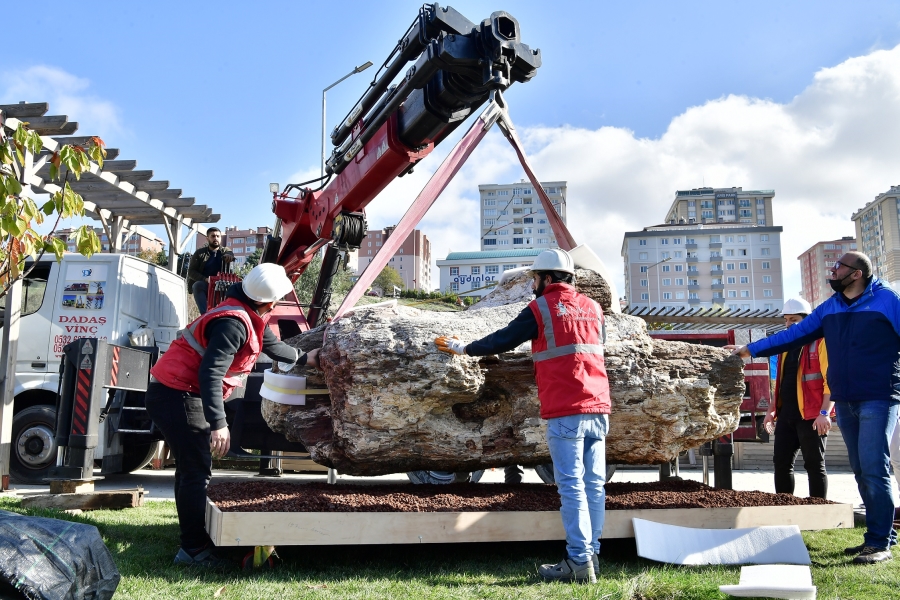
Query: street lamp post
point(358, 69)
point(658, 295)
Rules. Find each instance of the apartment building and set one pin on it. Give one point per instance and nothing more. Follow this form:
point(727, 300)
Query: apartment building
point(139, 240)
point(722, 205)
point(475, 273)
point(512, 217)
point(878, 234)
point(412, 260)
point(735, 266)
point(815, 268)
point(243, 242)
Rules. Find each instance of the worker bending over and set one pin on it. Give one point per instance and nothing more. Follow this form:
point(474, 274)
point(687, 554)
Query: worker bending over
point(565, 329)
point(190, 383)
point(799, 417)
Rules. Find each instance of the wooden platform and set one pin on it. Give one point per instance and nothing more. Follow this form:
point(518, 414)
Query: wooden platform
point(340, 528)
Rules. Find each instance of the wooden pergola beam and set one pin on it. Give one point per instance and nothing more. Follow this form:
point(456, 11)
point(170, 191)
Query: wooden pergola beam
point(25, 109)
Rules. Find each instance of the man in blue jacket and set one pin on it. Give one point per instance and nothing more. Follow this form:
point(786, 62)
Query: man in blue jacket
point(861, 326)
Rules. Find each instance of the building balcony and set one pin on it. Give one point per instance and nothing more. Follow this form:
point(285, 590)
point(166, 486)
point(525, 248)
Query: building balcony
point(692, 259)
point(718, 286)
point(716, 271)
point(715, 244)
point(715, 258)
point(690, 246)
point(693, 287)
point(693, 301)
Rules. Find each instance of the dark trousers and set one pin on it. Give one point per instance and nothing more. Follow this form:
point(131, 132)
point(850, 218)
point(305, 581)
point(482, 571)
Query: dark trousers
point(200, 289)
point(179, 416)
point(791, 436)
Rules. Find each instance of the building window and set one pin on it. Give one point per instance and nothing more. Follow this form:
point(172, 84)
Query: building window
point(454, 270)
point(742, 266)
point(491, 242)
point(664, 241)
point(679, 281)
point(642, 242)
point(503, 242)
point(679, 268)
point(490, 193)
point(729, 266)
point(760, 221)
point(454, 287)
point(644, 269)
point(760, 202)
point(764, 237)
point(729, 239)
point(665, 268)
point(731, 280)
point(732, 293)
point(490, 203)
point(676, 241)
point(642, 256)
point(645, 296)
point(729, 252)
point(767, 279)
point(643, 283)
point(764, 251)
point(667, 282)
point(508, 267)
point(742, 252)
point(237, 241)
point(667, 295)
point(488, 222)
point(490, 212)
point(745, 293)
point(767, 293)
point(476, 270)
point(679, 295)
point(766, 265)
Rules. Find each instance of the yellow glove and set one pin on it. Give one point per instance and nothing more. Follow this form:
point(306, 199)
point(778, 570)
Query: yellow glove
point(450, 345)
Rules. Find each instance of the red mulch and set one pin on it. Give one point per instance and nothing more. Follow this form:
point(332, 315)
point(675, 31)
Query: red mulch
point(270, 496)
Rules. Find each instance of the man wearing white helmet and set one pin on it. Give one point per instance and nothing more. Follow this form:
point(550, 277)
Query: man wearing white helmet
point(800, 414)
point(566, 333)
point(190, 383)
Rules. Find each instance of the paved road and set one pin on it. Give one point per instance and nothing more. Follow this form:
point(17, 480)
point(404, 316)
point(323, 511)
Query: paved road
point(158, 484)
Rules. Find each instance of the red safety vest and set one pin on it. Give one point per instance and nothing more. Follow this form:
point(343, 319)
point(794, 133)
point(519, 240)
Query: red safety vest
point(179, 367)
point(812, 383)
point(568, 353)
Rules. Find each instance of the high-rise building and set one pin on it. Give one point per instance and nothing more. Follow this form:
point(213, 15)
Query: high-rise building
point(691, 263)
point(878, 234)
point(815, 268)
point(512, 217)
point(416, 250)
point(722, 205)
point(136, 240)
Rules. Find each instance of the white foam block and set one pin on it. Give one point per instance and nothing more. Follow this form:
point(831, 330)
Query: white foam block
point(690, 546)
point(773, 581)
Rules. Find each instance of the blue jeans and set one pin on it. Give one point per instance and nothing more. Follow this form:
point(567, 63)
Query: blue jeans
point(578, 448)
point(199, 289)
point(867, 428)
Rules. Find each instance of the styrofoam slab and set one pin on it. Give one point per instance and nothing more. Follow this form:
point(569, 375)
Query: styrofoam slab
point(688, 546)
point(773, 581)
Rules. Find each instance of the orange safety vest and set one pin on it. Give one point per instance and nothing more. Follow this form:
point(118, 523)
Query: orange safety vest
point(811, 385)
point(179, 367)
point(568, 353)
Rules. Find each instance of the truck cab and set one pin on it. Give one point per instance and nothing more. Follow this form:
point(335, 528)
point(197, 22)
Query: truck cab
point(106, 296)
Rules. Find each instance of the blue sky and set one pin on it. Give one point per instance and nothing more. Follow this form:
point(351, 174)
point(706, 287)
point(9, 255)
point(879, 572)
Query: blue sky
point(222, 98)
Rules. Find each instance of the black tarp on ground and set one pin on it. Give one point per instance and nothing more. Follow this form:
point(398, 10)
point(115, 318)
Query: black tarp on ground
point(52, 559)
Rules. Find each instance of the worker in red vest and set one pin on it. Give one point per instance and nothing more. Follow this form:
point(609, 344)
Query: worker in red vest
point(566, 333)
point(190, 383)
point(800, 415)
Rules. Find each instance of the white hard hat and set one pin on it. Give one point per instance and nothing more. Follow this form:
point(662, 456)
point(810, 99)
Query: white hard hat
point(266, 283)
point(796, 306)
point(554, 260)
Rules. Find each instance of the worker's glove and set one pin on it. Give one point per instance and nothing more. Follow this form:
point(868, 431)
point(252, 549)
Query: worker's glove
point(450, 345)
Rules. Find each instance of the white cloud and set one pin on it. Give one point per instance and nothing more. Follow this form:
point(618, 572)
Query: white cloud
point(67, 95)
point(825, 153)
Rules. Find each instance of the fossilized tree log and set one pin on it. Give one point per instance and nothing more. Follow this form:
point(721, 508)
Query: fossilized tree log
point(398, 404)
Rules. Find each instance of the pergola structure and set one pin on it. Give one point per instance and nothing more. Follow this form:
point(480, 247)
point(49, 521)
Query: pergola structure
point(118, 195)
point(707, 319)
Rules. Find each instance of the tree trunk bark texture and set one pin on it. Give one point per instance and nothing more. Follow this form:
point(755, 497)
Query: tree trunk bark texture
point(398, 404)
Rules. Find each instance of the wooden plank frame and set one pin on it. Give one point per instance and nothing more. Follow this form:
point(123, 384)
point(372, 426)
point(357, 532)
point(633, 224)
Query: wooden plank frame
point(341, 528)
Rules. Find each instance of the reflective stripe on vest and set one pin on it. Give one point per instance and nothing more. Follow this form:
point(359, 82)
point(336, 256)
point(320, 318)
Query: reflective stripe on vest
point(813, 350)
point(187, 334)
point(552, 350)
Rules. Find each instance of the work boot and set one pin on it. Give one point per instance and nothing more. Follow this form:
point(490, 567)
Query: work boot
point(568, 570)
point(871, 555)
point(204, 559)
point(854, 549)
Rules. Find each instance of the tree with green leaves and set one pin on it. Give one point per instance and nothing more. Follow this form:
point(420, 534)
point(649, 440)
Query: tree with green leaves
point(251, 262)
point(387, 279)
point(306, 284)
point(19, 212)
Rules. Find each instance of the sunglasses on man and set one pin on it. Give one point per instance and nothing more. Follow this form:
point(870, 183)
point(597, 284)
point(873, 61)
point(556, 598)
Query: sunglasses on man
point(839, 264)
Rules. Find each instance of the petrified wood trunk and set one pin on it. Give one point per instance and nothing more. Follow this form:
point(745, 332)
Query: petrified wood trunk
point(398, 404)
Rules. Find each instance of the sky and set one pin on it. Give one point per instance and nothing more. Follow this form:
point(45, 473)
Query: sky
point(632, 102)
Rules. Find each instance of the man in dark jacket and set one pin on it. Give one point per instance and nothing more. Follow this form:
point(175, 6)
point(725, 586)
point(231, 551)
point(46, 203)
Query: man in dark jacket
point(210, 260)
point(190, 383)
point(565, 329)
point(861, 326)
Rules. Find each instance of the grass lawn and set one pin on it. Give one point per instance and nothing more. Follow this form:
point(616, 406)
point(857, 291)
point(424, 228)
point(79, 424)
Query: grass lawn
point(143, 542)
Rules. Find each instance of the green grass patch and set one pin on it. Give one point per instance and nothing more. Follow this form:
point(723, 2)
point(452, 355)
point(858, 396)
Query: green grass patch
point(144, 540)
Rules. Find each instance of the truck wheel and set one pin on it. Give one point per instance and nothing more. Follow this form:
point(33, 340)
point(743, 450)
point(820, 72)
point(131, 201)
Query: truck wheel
point(33, 451)
point(138, 456)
